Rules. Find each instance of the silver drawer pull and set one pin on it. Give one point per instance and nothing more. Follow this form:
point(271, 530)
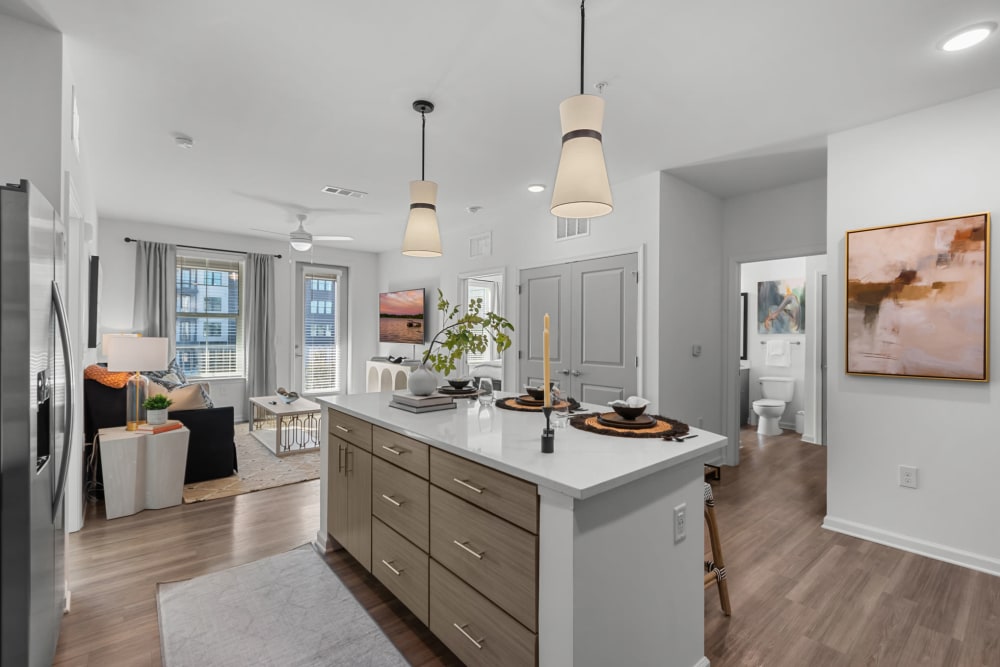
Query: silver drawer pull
point(392, 500)
point(466, 485)
point(461, 628)
point(478, 555)
point(393, 450)
point(394, 570)
point(341, 428)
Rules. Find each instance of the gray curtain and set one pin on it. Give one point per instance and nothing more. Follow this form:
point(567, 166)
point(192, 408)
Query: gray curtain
point(155, 290)
point(259, 321)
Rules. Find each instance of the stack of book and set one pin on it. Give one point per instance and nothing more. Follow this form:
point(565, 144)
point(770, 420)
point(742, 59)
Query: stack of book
point(404, 400)
point(169, 425)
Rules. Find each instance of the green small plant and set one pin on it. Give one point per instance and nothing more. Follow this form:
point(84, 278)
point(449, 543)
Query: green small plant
point(472, 332)
point(157, 402)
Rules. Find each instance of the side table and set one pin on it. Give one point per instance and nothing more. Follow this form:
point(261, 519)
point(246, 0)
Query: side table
point(142, 470)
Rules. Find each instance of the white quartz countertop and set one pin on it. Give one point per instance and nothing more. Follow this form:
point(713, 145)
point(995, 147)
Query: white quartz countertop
point(583, 464)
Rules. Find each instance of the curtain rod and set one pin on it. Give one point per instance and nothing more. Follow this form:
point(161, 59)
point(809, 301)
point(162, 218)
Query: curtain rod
point(198, 247)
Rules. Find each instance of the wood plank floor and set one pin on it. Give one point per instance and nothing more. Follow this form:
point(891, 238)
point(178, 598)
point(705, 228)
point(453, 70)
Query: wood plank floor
point(801, 595)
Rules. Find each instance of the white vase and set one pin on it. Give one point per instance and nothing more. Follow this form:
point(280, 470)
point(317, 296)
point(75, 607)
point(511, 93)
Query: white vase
point(422, 382)
point(156, 416)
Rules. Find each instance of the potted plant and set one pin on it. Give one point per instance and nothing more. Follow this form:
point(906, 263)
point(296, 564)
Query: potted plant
point(473, 331)
point(156, 409)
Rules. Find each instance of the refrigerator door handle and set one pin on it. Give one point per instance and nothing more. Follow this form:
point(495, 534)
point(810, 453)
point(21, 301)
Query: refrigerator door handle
point(67, 348)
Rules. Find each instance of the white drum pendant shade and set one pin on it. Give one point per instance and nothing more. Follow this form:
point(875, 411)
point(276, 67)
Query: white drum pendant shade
point(581, 189)
point(422, 238)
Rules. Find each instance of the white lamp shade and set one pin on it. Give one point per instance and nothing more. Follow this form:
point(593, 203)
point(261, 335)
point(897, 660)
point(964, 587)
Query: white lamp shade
point(422, 238)
point(301, 246)
point(581, 188)
point(127, 353)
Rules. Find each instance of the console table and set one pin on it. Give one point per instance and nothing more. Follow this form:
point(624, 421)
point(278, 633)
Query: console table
point(386, 376)
point(142, 470)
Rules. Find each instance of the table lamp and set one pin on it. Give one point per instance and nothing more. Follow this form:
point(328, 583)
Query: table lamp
point(129, 353)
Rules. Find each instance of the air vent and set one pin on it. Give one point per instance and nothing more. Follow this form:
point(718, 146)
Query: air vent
point(344, 192)
point(571, 228)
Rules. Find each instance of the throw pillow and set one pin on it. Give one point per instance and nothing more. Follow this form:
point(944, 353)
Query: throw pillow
point(173, 375)
point(184, 397)
point(113, 379)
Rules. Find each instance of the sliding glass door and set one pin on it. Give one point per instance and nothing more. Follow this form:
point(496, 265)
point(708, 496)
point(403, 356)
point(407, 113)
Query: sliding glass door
point(321, 333)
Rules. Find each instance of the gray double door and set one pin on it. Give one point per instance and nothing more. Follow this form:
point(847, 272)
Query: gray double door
point(593, 312)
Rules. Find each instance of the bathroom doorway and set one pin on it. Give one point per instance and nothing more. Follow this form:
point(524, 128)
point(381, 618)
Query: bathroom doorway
point(779, 307)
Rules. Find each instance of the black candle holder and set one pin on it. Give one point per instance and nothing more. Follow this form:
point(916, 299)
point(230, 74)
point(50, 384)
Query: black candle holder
point(548, 435)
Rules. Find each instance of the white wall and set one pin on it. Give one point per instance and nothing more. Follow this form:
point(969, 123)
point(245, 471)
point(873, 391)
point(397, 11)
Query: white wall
point(31, 81)
point(118, 261)
point(529, 241)
point(937, 162)
point(789, 221)
point(690, 292)
point(751, 274)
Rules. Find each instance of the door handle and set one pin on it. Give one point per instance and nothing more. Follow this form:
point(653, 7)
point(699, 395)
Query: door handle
point(565, 371)
point(577, 374)
point(340, 458)
point(67, 347)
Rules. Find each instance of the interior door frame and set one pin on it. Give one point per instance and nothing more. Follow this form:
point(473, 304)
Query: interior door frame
point(731, 339)
point(463, 299)
point(640, 327)
point(340, 323)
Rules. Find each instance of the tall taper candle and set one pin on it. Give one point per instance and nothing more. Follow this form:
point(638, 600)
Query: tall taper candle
point(546, 372)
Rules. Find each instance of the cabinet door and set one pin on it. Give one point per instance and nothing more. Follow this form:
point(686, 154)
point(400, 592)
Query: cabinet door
point(359, 505)
point(338, 492)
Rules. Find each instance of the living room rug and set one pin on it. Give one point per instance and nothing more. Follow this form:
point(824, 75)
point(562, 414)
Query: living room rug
point(258, 469)
point(286, 610)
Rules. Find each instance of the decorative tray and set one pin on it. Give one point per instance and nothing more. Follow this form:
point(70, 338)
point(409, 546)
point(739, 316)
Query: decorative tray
point(529, 404)
point(615, 420)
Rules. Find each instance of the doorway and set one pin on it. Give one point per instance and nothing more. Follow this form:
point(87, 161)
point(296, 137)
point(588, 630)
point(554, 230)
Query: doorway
point(317, 364)
point(593, 310)
point(487, 285)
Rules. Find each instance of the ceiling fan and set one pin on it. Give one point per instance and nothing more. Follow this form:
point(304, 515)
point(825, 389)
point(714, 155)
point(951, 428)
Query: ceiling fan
point(301, 239)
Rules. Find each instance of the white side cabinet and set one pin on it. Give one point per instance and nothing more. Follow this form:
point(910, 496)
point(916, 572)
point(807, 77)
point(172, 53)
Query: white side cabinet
point(142, 470)
point(386, 376)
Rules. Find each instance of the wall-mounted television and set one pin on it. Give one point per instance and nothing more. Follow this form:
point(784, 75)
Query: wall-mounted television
point(401, 317)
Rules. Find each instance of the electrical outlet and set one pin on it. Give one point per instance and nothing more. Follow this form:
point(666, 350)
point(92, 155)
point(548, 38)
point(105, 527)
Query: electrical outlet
point(680, 522)
point(908, 476)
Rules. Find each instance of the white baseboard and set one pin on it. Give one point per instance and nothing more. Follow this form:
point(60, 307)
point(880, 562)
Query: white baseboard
point(913, 545)
point(703, 662)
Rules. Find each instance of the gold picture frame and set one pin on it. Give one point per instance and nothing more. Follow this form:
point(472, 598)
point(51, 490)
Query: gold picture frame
point(917, 299)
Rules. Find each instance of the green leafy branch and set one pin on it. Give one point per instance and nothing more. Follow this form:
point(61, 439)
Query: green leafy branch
point(473, 332)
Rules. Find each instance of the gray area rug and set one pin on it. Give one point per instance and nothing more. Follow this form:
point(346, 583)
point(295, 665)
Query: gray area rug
point(287, 610)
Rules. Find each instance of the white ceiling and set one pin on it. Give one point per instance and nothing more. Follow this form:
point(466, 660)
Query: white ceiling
point(284, 98)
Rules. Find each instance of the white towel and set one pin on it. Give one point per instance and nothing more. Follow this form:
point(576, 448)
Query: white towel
point(778, 353)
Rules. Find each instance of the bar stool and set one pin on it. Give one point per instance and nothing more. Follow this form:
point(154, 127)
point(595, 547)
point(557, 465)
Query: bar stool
point(715, 569)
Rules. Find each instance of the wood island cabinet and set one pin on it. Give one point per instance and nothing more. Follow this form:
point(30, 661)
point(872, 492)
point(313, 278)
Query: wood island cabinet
point(349, 471)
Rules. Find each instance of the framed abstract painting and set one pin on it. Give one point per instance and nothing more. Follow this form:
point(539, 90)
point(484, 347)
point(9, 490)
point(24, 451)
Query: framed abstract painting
point(918, 299)
point(781, 306)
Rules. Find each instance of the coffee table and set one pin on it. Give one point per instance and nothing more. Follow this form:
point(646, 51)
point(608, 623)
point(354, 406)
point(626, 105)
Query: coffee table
point(285, 428)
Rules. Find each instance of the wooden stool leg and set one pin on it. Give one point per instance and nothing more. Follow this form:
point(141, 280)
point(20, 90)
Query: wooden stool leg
point(718, 573)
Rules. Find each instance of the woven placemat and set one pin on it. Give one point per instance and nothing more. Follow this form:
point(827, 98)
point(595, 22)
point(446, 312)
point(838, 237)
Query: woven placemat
point(512, 404)
point(665, 427)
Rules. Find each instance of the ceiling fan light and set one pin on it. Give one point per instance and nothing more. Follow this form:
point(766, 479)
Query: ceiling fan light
point(581, 188)
point(422, 238)
point(301, 246)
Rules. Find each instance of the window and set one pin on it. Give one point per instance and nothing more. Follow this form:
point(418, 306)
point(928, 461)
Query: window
point(209, 331)
point(488, 291)
point(320, 370)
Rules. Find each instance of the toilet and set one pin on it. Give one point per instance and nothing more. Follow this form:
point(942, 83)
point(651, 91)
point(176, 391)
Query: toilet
point(777, 392)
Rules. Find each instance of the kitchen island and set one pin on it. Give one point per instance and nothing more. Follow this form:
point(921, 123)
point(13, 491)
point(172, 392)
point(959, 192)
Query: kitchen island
point(512, 556)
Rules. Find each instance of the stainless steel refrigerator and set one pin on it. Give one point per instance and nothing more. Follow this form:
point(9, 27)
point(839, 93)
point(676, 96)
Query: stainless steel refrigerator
point(36, 422)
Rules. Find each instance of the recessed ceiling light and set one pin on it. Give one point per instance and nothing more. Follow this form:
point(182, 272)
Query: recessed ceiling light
point(968, 37)
point(536, 187)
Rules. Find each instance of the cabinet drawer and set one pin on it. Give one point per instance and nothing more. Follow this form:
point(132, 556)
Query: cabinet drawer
point(503, 495)
point(494, 557)
point(401, 567)
point(353, 430)
point(476, 630)
point(407, 453)
point(400, 500)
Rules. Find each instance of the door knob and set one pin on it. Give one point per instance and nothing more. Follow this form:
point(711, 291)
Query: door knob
point(565, 371)
point(577, 374)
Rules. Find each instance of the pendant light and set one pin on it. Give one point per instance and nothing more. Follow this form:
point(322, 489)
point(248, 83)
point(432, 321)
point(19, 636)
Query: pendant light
point(581, 189)
point(422, 238)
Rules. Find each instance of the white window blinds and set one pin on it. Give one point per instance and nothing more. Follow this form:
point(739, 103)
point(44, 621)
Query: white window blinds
point(320, 357)
point(209, 328)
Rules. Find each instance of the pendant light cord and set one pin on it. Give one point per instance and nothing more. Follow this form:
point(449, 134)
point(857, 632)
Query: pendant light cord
point(423, 143)
point(583, 23)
